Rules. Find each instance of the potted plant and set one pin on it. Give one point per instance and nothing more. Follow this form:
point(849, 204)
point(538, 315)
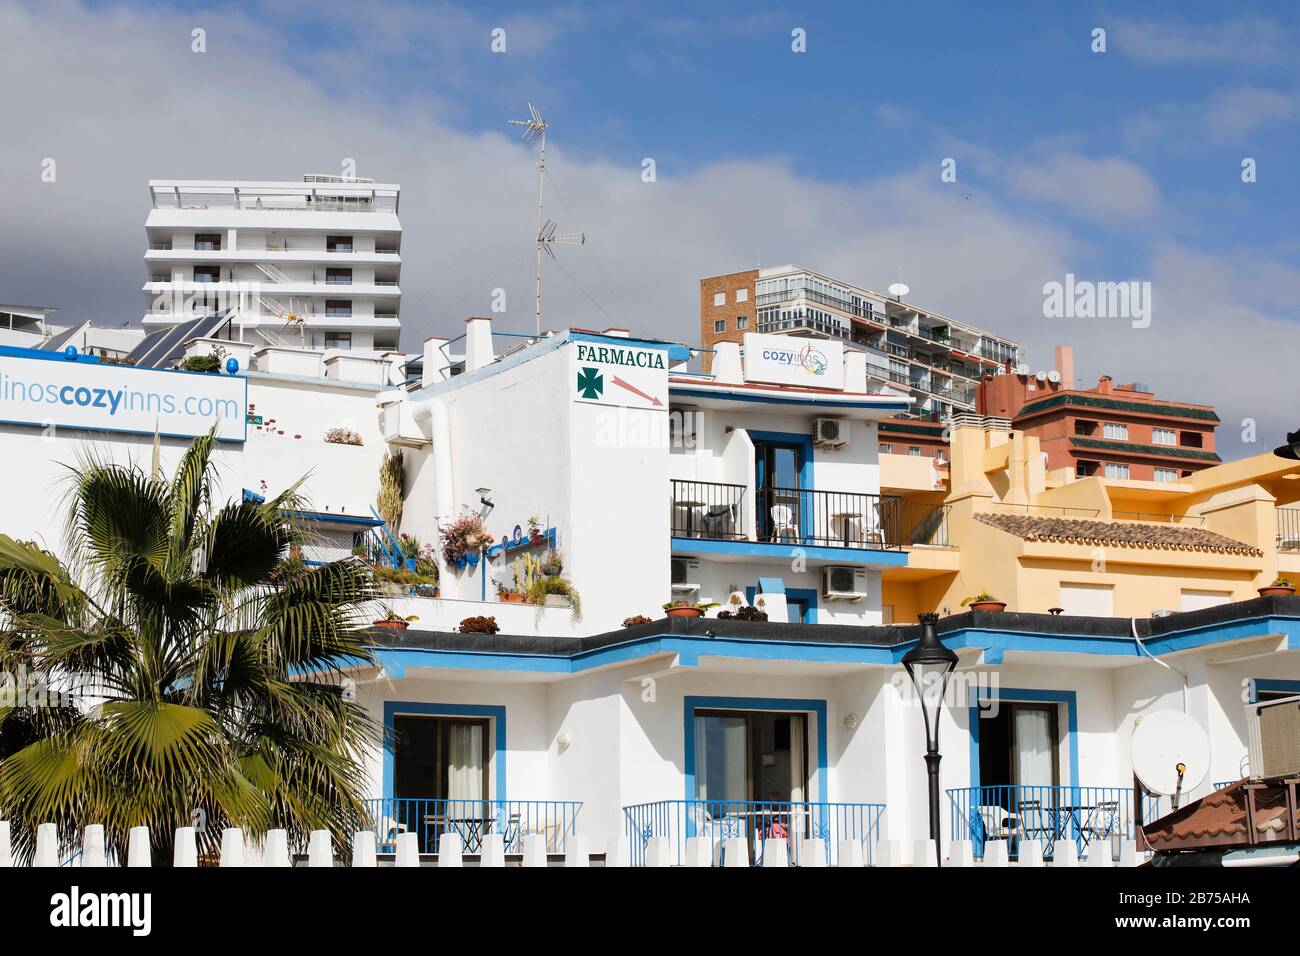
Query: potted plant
point(681, 608)
point(393, 621)
point(342, 436)
point(552, 564)
point(635, 619)
point(463, 539)
point(508, 596)
point(1279, 586)
point(556, 591)
point(534, 529)
point(984, 602)
point(479, 624)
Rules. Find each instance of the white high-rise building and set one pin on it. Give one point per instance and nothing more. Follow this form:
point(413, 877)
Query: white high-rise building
point(311, 265)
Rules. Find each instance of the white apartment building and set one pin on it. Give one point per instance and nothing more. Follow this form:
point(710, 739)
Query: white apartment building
point(907, 348)
point(310, 265)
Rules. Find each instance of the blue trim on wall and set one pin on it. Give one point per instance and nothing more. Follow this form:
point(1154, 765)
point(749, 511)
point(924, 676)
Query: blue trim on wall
point(779, 551)
point(795, 440)
point(816, 707)
point(686, 391)
point(1014, 695)
point(807, 595)
point(1272, 685)
point(401, 708)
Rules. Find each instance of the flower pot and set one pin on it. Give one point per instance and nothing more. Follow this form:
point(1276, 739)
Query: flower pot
point(988, 605)
point(1274, 590)
point(392, 625)
point(512, 597)
point(684, 612)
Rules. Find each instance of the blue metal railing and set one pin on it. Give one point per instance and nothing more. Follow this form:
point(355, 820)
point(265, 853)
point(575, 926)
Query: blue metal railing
point(754, 821)
point(1091, 816)
point(513, 820)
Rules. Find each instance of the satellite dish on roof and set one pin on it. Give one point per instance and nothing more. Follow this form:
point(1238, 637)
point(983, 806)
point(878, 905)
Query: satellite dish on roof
point(1022, 369)
point(898, 290)
point(1171, 753)
point(1053, 376)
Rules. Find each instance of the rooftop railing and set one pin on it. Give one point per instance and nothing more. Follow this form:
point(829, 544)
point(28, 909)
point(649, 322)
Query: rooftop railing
point(1288, 529)
point(512, 820)
point(720, 823)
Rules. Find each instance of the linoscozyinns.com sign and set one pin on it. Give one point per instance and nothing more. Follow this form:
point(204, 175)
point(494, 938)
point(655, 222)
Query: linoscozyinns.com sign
point(606, 374)
point(115, 398)
point(786, 360)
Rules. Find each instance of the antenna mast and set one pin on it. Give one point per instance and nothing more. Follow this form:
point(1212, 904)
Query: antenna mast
point(535, 131)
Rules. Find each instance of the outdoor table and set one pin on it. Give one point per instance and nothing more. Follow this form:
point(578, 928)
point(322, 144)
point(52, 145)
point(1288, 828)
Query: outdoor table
point(690, 507)
point(470, 829)
point(846, 519)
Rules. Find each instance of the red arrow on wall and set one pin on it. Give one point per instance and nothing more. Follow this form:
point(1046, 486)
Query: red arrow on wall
point(636, 391)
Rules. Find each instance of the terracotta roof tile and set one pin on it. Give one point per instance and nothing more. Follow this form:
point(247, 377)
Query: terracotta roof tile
point(1219, 820)
point(1130, 534)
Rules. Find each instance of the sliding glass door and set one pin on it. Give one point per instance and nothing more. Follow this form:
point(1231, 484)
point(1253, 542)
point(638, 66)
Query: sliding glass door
point(440, 776)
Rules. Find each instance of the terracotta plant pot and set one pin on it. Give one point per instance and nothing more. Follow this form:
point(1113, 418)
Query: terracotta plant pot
point(1274, 590)
point(684, 612)
point(988, 605)
point(512, 597)
point(392, 625)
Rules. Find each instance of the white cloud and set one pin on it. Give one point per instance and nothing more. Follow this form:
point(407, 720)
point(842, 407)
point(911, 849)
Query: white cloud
point(1106, 190)
point(1241, 40)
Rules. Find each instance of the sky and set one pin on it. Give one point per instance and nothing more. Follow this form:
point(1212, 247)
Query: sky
point(1114, 164)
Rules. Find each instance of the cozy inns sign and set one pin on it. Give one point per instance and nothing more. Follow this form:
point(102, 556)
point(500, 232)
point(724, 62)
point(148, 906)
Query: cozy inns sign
point(604, 374)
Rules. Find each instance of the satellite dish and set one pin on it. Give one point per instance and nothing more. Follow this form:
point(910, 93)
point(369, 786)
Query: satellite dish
point(1041, 376)
point(1171, 753)
point(898, 290)
point(1053, 376)
point(1022, 369)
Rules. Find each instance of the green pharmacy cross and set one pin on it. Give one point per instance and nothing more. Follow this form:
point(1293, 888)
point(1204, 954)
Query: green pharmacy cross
point(590, 383)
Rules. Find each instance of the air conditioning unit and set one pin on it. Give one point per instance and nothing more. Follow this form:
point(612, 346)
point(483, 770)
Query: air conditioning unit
point(830, 432)
point(686, 574)
point(1274, 728)
point(844, 584)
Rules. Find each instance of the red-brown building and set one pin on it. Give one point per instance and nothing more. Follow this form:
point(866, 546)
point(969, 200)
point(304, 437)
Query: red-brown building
point(1117, 431)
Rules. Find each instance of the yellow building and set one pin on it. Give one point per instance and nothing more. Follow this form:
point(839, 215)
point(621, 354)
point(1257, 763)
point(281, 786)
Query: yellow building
point(1041, 540)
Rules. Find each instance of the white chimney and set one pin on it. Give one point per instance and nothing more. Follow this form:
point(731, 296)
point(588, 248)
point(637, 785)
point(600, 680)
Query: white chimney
point(435, 360)
point(726, 363)
point(478, 343)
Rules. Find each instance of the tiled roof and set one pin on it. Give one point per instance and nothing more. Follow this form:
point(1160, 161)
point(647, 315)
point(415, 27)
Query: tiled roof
point(1204, 413)
point(1129, 534)
point(1220, 819)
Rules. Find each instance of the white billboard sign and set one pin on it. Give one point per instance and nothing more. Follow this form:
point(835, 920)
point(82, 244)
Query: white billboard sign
point(115, 398)
point(630, 376)
point(786, 360)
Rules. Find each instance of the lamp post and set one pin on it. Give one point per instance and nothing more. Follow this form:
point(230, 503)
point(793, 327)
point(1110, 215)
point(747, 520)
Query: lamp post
point(930, 663)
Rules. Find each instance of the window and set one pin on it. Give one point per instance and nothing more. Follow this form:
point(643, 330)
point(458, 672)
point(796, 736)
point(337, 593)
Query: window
point(207, 241)
point(1114, 470)
point(719, 326)
point(207, 273)
point(1117, 432)
point(338, 243)
point(338, 340)
point(1190, 439)
point(914, 451)
point(886, 449)
point(438, 758)
point(338, 276)
point(742, 295)
point(719, 298)
point(1164, 436)
point(1020, 746)
point(341, 308)
point(1082, 427)
point(742, 321)
point(746, 755)
point(1166, 474)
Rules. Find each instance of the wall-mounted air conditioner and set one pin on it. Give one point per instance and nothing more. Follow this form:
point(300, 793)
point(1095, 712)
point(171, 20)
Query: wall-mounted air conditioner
point(686, 574)
point(830, 432)
point(1274, 729)
point(844, 584)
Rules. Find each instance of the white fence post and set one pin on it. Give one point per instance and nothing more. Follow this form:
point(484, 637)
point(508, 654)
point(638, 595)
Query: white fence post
point(450, 850)
point(535, 850)
point(850, 853)
point(1099, 855)
point(889, 853)
point(1030, 854)
point(776, 852)
point(1128, 853)
point(185, 851)
point(924, 853)
point(699, 851)
point(6, 849)
point(577, 852)
point(735, 851)
point(408, 850)
point(232, 847)
point(47, 846)
point(1065, 853)
point(276, 853)
point(363, 849)
point(812, 852)
point(618, 851)
point(492, 851)
point(138, 851)
point(961, 853)
point(658, 852)
point(93, 854)
point(320, 849)
point(995, 853)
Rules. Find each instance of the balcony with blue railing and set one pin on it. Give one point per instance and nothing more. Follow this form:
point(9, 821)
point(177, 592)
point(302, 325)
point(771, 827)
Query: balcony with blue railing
point(721, 822)
point(513, 820)
point(1095, 818)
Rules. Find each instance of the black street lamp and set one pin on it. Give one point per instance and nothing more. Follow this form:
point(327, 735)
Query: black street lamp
point(1292, 447)
point(930, 663)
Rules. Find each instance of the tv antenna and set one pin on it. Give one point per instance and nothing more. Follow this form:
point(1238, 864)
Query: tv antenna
point(547, 235)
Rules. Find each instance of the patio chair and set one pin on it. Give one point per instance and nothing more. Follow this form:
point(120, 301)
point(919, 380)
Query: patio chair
point(783, 523)
point(720, 522)
point(386, 834)
point(1034, 823)
point(1102, 822)
point(993, 822)
point(875, 526)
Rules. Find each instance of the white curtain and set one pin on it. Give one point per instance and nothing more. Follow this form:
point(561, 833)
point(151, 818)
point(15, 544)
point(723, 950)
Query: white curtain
point(796, 759)
point(1034, 751)
point(464, 761)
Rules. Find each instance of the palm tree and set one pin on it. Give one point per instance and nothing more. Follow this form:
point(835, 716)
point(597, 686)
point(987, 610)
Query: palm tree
point(207, 669)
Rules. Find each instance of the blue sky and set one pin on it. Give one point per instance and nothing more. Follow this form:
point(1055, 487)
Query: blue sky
point(1117, 165)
